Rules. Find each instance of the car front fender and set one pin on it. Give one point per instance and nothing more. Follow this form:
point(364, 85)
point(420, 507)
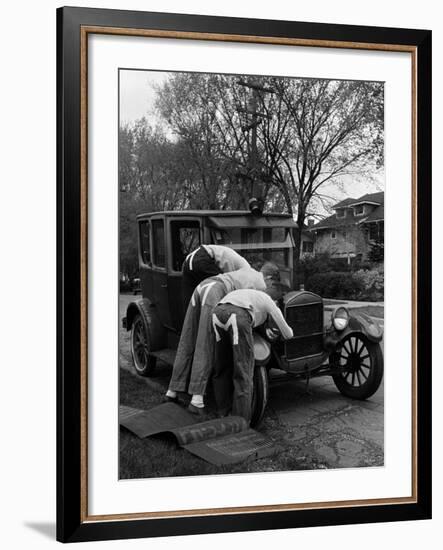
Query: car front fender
point(358, 323)
point(262, 349)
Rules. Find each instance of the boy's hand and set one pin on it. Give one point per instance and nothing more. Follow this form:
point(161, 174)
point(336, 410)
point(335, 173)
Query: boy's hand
point(272, 334)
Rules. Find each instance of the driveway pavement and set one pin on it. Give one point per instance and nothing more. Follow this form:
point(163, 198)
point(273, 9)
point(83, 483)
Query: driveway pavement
point(327, 428)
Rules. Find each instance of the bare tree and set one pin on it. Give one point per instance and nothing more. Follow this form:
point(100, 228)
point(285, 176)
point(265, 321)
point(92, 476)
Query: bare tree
point(304, 135)
point(193, 111)
point(319, 131)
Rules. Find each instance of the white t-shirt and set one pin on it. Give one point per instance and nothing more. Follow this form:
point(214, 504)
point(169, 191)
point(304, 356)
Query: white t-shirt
point(259, 305)
point(246, 277)
point(226, 258)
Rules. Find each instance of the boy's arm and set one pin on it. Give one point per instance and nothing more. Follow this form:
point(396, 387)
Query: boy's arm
point(279, 320)
point(242, 262)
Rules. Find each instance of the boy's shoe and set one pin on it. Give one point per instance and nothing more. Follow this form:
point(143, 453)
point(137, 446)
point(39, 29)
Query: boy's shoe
point(201, 411)
point(167, 399)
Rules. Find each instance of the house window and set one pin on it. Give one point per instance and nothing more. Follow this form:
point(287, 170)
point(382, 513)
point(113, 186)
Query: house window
point(333, 234)
point(341, 213)
point(358, 210)
point(145, 242)
point(308, 247)
point(158, 243)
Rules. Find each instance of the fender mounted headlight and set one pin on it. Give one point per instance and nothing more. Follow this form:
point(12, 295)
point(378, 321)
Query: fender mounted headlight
point(340, 318)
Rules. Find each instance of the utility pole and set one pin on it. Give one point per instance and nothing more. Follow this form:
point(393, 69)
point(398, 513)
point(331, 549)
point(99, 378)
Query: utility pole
point(256, 202)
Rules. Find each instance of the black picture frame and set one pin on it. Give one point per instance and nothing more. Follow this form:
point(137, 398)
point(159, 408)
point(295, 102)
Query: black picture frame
point(72, 523)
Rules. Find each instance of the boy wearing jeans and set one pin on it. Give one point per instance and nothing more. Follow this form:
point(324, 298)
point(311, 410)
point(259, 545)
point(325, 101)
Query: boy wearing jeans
point(233, 320)
point(195, 354)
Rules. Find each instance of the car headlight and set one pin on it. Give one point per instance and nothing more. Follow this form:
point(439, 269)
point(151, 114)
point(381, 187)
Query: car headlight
point(340, 318)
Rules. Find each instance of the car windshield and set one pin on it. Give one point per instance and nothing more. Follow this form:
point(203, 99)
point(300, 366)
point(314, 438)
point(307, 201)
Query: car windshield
point(251, 236)
point(260, 245)
point(258, 256)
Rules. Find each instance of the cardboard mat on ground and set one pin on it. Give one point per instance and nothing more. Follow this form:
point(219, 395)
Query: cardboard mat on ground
point(219, 441)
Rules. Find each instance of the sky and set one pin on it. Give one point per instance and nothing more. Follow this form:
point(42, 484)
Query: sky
point(137, 98)
point(137, 94)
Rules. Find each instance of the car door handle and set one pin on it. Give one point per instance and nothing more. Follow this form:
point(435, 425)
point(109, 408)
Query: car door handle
point(164, 286)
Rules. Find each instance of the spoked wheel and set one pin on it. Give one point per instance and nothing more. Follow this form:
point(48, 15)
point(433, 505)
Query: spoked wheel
point(259, 394)
point(360, 367)
point(144, 362)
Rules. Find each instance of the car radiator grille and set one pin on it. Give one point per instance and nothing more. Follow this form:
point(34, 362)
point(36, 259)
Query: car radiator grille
point(306, 322)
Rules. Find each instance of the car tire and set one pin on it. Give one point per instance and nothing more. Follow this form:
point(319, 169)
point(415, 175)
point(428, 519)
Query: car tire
point(144, 362)
point(260, 394)
point(360, 365)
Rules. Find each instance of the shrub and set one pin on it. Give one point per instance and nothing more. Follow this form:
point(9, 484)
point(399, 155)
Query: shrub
point(363, 284)
point(373, 282)
point(310, 265)
point(320, 263)
point(336, 284)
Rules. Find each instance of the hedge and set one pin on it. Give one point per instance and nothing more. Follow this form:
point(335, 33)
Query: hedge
point(363, 284)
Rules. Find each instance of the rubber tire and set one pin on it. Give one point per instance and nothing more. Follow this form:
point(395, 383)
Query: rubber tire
point(260, 394)
point(375, 375)
point(151, 361)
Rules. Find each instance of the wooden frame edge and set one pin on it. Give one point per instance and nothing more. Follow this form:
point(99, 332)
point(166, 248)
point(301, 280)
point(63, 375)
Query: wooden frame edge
point(205, 512)
point(84, 274)
point(251, 39)
point(85, 30)
point(414, 252)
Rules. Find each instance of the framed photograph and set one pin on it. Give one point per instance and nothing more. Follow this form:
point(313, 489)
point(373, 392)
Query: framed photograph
point(244, 274)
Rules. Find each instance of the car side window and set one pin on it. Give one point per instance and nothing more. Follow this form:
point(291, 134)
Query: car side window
point(145, 242)
point(158, 243)
point(185, 237)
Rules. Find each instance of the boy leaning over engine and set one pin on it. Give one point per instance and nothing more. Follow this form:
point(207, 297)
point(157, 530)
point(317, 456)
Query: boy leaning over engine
point(233, 319)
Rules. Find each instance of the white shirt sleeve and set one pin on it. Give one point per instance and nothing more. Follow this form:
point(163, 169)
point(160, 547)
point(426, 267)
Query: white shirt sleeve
point(277, 316)
point(240, 261)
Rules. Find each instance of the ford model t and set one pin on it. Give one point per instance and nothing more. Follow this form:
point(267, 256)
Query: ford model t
point(341, 344)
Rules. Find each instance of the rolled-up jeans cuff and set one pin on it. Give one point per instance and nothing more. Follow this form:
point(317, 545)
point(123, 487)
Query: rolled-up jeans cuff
point(199, 389)
point(177, 386)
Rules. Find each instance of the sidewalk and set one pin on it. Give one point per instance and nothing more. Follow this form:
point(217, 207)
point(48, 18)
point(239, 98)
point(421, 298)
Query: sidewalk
point(330, 304)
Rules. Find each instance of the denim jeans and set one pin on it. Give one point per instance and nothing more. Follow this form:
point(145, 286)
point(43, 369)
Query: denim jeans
point(234, 360)
point(194, 361)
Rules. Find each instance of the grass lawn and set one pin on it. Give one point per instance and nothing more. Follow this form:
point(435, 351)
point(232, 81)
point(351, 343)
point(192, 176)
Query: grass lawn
point(162, 457)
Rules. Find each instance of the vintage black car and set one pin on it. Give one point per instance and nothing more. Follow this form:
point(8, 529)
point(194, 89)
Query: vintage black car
point(340, 344)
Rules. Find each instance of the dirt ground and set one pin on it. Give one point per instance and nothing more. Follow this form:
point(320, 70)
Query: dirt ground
point(314, 426)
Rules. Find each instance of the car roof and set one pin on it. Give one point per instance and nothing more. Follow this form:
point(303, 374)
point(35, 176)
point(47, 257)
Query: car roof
point(207, 213)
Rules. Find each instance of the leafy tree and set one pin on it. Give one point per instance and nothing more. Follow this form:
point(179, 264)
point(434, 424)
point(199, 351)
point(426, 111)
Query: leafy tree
point(151, 178)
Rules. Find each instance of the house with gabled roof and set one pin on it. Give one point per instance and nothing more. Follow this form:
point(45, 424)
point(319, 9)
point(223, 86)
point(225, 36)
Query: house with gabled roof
point(356, 224)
